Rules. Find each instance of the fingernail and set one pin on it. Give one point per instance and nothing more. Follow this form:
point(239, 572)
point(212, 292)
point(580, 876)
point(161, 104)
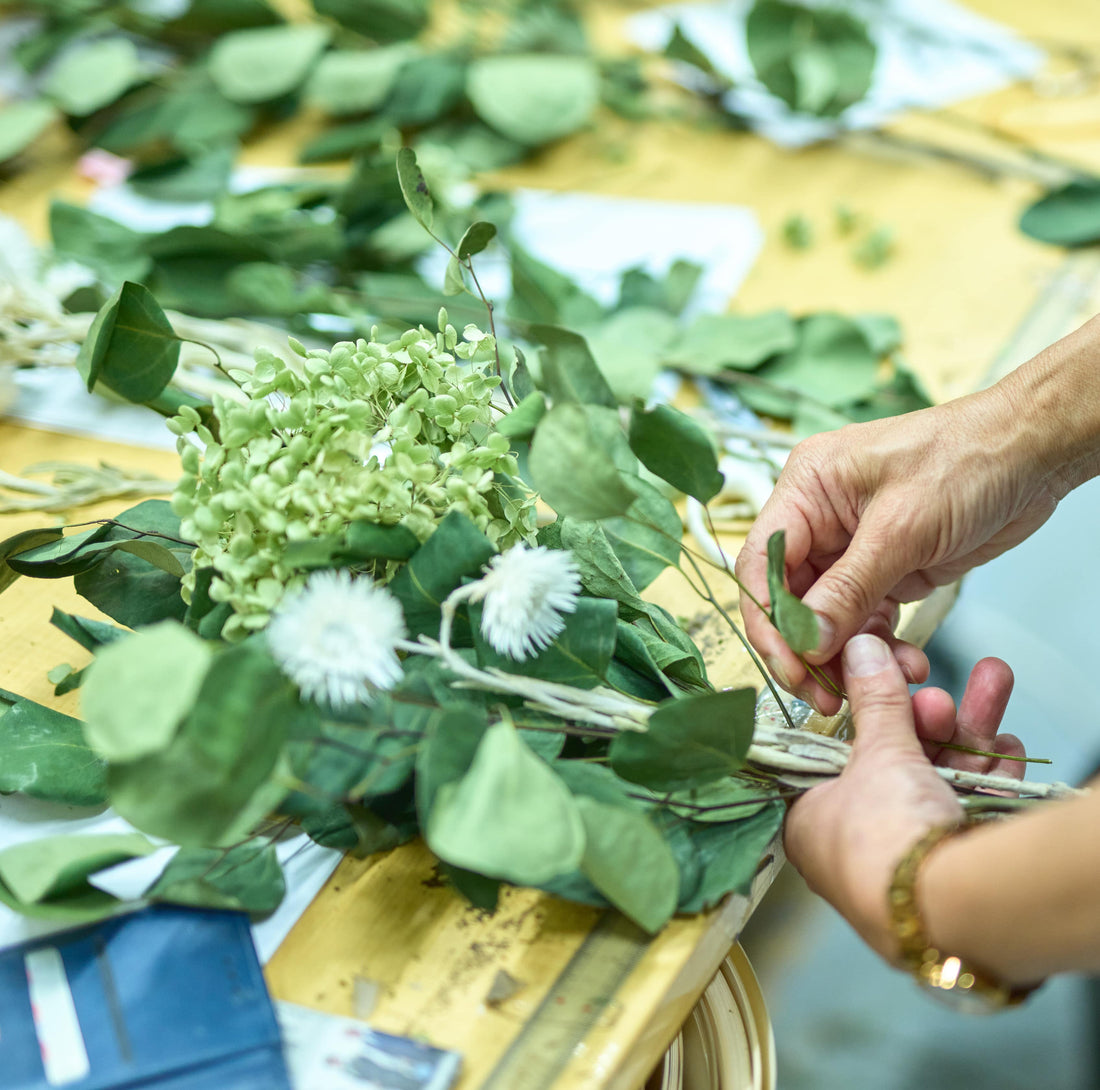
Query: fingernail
point(866, 655)
point(825, 632)
point(778, 672)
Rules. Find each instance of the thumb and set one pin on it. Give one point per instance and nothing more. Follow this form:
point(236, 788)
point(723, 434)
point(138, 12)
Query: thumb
point(882, 711)
point(849, 591)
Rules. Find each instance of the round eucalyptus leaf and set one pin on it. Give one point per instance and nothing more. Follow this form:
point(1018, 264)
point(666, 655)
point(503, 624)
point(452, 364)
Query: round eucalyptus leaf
point(138, 690)
point(1069, 216)
point(21, 123)
point(93, 75)
point(351, 81)
point(534, 98)
point(259, 65)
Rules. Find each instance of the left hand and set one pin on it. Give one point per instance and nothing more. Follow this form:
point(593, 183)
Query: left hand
point(846, 836)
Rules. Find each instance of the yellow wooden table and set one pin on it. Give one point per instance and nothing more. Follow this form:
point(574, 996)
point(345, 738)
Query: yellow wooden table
point(972, 294)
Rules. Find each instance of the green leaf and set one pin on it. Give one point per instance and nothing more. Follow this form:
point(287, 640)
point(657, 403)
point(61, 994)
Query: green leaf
point(457, 549)
point(453, 283)
point(425, 90)
point(817, 60)
point(681, 48)
point(569, 467)
point(833, 363)
point(139, 689)
point(476, 237)
point(23, 542)
point(534, 98)
point(569, 371)
point(111, 250)
point(796, 622)
point(202, 176)
point(92, 75)
point(89, 633)
point(731, 799)
point(647, 538)
point(21, 123)
point(131, 347)
point(43, 754)
point(691, 741)
point(579, 655)
point(58, 556)
point(675, 448)
point(521, 422)
point(131, 591)
point(628, 861)
point(380, 20)
point(543, 294)
point(629, 348)
point(414, 189)
point(730, 854)
point(602, 573)
point(246, 878)
point(352, 81)
point(509, 817)
point(715, 342)
point(265, 63)
point(445, 754)
point(57, 866)
point(212, 778)
point(1069, 216)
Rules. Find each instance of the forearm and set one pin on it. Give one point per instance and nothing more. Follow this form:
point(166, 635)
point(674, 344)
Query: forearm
point(1020, 898)
point(1053, 404)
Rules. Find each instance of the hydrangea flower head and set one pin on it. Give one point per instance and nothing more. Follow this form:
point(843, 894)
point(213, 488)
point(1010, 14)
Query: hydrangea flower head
point(525, 592)
point(336, 638)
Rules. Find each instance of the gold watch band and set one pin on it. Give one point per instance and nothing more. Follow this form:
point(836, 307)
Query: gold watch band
point(946, 976)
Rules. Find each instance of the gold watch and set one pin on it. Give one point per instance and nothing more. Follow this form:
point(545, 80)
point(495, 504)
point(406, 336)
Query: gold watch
point(945, 976)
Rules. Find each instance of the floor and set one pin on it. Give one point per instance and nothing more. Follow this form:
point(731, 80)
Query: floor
point(844, 1020)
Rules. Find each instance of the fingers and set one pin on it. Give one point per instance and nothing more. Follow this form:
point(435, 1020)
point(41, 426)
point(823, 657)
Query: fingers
point(879, 696)
point(850, 590)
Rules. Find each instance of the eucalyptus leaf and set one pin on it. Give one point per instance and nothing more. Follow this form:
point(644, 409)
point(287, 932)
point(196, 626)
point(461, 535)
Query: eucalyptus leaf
point(246, 878)
point(570, 470)
point(675, 448)
point(476, 237)
point(43, 754)
point(53, 867)
point(380, 20)
point(351, 81)
point(88, 632)
point(569, 371)
point(521, 422)
point(602, 573)
point(453, 282)
point(647, 538)
point(691, 741)
point(21, 123)
point(202, 176)
point(93, 74)
point(542, 294)
point(796, 622)
point(509, 817)
point(715, 342)
point(456, 550)
point(139, 689)
point(629, 347)
point(23, 542)
point(730, 854)
point(426, 88)
point(628, 861)
point(113, 251)
point(1069, 216)
point(414, 189)
point(215, 772)
point(534, 98)
point(445, 754)
point(257, 65)
point(131, 347)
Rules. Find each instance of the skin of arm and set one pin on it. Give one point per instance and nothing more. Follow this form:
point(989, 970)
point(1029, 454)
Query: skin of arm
point(1019, 898)
point(883, 512)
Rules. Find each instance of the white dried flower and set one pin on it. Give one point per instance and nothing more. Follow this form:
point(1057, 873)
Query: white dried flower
point(336, 638)
point(526, 591)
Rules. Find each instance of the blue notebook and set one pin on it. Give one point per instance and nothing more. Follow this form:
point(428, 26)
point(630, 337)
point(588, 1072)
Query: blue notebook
point(168, 998)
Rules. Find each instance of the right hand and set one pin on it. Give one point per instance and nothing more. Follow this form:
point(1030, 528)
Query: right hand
point(882, 513)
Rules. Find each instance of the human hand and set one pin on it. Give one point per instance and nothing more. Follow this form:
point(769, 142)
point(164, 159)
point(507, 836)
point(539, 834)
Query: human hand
point(881, 513)
point(846, 836)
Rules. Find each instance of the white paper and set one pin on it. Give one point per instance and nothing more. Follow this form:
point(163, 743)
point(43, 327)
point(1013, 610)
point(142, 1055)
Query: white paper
point(594, 238)
point(930, 53)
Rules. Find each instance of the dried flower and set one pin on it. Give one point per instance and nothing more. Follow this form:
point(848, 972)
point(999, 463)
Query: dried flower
point(336, 638)
point(526, 591)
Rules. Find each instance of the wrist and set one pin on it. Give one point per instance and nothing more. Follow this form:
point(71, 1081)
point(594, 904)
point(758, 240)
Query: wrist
point(1051, 407)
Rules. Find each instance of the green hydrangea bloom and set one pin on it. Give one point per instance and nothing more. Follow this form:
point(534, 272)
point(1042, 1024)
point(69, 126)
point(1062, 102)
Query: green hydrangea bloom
point(397, 433)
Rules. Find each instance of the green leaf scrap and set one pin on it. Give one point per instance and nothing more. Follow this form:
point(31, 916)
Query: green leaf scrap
point(796, 622)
